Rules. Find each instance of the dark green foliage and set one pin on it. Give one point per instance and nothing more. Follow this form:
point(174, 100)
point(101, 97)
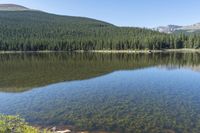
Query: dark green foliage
point(187, 32)
point(34, 30)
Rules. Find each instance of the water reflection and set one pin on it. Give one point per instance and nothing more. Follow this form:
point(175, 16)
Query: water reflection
point(21, 72)
point(123, 92)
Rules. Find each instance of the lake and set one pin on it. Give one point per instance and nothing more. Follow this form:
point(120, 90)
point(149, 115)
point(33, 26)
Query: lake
point(143, 93)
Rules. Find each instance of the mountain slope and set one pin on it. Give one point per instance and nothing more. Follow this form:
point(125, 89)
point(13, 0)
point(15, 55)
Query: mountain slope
point(31, 30)
point(12, 7)
point(167, 29)
point(36, 30)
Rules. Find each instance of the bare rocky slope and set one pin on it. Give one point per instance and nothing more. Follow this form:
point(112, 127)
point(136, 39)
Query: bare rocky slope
point(176, 29)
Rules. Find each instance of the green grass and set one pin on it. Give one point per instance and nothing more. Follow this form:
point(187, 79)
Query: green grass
point(16, 124)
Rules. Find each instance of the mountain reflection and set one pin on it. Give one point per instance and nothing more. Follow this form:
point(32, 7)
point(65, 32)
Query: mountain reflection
point(22, 72)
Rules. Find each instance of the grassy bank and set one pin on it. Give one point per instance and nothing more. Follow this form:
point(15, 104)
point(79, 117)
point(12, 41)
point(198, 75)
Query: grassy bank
point(16, 124)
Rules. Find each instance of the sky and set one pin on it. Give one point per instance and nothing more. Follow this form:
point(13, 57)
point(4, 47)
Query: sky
point(136, 13)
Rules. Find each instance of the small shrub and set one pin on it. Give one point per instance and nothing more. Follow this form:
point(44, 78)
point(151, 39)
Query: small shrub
point(15, 124)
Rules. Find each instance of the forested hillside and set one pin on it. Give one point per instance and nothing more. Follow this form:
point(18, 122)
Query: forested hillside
point(35, 30)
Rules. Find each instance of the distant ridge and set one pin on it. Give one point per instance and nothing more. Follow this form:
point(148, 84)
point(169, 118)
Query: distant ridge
point(195, 28)
point(12, 7)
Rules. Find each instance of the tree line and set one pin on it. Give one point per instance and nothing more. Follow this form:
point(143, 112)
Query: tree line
point(33, 31)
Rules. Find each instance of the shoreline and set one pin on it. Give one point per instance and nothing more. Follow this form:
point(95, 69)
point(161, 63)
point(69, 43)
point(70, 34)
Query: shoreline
point(146, 51)
point(108, 51)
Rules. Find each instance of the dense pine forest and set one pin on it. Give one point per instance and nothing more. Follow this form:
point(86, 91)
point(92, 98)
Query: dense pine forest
point(35, 30)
